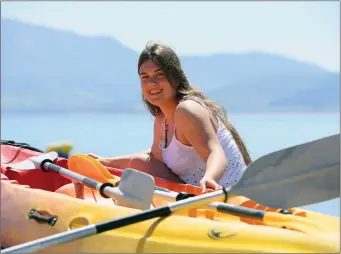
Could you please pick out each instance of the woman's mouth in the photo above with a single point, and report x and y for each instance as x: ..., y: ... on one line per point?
x: 155, y: 91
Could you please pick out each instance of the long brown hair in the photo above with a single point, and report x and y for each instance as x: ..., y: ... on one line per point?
x: 169, y: 62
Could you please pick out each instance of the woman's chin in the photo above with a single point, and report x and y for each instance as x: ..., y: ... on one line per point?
x: 156, y: 101
x: 159, y: 101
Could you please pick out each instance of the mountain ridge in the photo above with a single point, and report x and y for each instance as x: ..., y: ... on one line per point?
x: 93, y: 73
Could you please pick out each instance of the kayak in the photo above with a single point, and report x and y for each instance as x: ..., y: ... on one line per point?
x: 36, y: 204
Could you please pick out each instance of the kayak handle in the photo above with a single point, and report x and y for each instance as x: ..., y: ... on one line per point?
x: 37, y: 216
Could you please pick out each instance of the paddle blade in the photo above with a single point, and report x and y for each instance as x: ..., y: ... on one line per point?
x: 137, y: 188
x: 33, y: 162
x: 295, y: 176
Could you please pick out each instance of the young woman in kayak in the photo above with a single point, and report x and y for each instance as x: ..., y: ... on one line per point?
x: 193, y: 141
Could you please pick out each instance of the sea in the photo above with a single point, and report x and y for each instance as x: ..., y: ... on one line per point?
x: 118, y: 134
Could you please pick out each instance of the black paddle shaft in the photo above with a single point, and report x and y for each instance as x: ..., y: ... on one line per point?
x: 134, y: 218
x: 160, y: 211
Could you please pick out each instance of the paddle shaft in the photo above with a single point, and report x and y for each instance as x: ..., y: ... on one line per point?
x: 47, y: 242
x: 172, y: 195
x: 106, y: 189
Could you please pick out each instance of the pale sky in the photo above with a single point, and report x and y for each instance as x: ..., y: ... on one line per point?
x: 307, y: 31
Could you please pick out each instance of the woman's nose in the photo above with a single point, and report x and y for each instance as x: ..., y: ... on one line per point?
x: 151, y: 81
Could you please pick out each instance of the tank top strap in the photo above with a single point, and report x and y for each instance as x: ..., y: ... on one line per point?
x: 194, y: 98
x: 198, y: 100
x: 202, y: 103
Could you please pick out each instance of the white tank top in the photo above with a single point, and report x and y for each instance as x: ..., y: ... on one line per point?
x: 185, y: 162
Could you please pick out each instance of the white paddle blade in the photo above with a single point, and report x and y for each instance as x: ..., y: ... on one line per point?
x: 306, y: 173
x: 33, y: 162
x: 137, y: 189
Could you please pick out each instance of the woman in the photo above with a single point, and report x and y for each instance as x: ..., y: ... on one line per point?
x: 193, y: 141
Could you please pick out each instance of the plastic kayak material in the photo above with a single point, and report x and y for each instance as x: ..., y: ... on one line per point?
x: 36, y: 204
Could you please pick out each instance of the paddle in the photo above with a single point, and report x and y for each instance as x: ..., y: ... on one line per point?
x: 135, y: 189
x: 328, y: 146
x: 92, y: 168
x: 295, y: 176
x: 33, y: 162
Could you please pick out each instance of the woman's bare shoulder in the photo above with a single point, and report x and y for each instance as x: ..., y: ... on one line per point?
x: 190, y: 113
x: 192, y: 109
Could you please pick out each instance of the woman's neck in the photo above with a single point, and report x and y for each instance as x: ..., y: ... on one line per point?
x: 168, y: 111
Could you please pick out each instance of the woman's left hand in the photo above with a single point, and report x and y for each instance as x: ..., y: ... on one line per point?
x: 207, y: 182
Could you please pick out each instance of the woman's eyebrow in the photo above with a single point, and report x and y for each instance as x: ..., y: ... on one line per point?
x: 153, y: 71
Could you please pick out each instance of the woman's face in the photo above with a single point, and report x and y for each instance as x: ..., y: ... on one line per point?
x: 155, y: 86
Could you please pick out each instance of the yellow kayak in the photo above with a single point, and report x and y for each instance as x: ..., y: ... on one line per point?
x: 35, y: 205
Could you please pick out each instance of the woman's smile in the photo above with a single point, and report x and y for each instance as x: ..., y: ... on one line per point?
x: 154, y: 92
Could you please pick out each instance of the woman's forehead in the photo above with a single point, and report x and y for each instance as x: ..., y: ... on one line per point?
x: 149, y: 66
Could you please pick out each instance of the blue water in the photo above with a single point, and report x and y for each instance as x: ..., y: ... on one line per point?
x: 115, y: 134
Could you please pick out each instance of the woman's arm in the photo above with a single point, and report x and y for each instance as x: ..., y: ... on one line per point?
x: 196, y: 125
x: 121, y: 162
x: 125, y: 161
x: 149, y: 161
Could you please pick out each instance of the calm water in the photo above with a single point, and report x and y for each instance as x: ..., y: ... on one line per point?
x: 114, y: 134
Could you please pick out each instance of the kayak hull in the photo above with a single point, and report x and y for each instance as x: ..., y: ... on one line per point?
x: 170, y: 234
x: 190, y: 231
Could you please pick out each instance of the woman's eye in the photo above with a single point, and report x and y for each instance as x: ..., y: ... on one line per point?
x: 159, y: 74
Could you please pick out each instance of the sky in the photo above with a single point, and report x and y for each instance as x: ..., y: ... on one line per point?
x: 306, y: 31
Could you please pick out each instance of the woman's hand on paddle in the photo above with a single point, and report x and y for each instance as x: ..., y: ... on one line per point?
x: 207, y: 182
